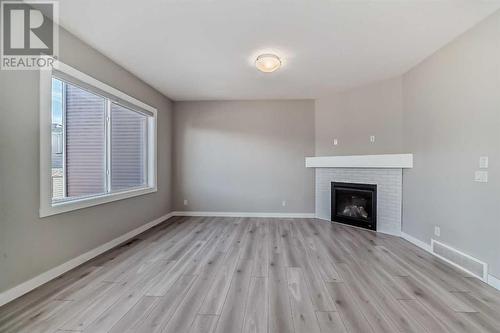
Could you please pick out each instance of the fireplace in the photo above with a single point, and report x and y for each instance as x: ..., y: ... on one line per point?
x: 354, y: 204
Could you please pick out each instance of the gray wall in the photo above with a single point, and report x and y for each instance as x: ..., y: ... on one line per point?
x: 28, y: 245
x: 353, y: 116
x: 446, y: 111
x: 244, y: 156
x: 248, y: 156
x: 451, y: 118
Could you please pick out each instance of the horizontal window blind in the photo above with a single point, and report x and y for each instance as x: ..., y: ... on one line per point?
x: 128, y: 148
x: 71, y: 80
x: 101, y: 144
x: 85, y: 142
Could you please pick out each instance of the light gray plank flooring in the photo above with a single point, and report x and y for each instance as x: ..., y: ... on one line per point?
x: 231, y: 275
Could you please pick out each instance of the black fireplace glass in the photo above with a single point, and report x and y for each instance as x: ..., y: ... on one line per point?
x: 354, y: 204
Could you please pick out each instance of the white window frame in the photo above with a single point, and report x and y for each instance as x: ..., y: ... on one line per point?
x: 47, y: 206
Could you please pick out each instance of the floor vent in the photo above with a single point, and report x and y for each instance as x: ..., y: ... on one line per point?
x: 459, y: 259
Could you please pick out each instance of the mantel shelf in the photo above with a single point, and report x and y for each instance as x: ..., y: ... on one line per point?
x: 385, y: 161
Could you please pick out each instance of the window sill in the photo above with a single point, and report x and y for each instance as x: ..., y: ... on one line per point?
x: 69, y: 206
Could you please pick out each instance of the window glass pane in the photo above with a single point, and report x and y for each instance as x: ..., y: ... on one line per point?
x: 85, y: 115
x: 57, y: 141
x: 83, y: 146
x: 128, y: 148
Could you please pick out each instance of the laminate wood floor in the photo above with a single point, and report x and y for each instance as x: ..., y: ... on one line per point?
x: 202, y: 275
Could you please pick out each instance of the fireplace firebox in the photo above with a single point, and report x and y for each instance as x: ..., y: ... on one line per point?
x: 354, y: 204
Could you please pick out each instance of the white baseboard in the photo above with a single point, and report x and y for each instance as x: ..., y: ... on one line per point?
x: 492, y: 281
x: 244, y: 214
x: 417, y: 242
x: 25, y: 287
x: 483, y: 277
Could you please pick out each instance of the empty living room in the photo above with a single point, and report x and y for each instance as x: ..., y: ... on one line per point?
x: 250, y: 166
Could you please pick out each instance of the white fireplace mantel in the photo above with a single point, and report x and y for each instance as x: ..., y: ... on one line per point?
x: 385, y: 161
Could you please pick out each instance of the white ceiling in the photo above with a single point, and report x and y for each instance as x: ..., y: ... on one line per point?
x: 204, y: 49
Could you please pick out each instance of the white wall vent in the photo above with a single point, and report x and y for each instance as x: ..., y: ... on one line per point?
x: 460, y: 260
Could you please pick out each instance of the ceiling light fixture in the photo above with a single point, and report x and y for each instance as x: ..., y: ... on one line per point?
x: 268, y: 63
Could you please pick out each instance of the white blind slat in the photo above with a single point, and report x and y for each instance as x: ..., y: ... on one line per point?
x: 128, y: 148
x: 85, y: 142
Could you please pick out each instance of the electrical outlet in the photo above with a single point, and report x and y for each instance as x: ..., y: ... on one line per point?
x: 372, y: 138
x: 283, y: 203
x: 437, y: 231
x: 335, y: 142
x: 185, y: 202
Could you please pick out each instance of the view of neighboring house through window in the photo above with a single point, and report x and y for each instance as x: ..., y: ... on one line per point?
x: 98, y: 145
x: 57, y: 141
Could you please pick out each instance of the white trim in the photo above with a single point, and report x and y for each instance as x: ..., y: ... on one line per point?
x: 47, y: 207
x: 491, y: 280
x: 244, y: 214
x: 494, y: 282
x: 58, y: 208
x: 51, y: 274
x: 108, y: 145
x: 485, y: 265
x: 387, y: 161
x: 417, y: 242
x: 73, y: 72
x: 45, y: 123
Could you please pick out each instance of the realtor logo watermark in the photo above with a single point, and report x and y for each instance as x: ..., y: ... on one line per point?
x: 29, y: 34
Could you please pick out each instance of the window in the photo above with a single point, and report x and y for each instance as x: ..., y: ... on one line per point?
x: 101, y: 145
x: 128, y: 148
x: 80, y: 116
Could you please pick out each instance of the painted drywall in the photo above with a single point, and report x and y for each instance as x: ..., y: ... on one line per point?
x: 353, y: 116
x: 244, y: 156
x: 29, y: 245
x: 452, y: 117
x: 446, y: 111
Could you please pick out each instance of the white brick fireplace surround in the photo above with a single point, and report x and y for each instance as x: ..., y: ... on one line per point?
x: 385, y: 171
